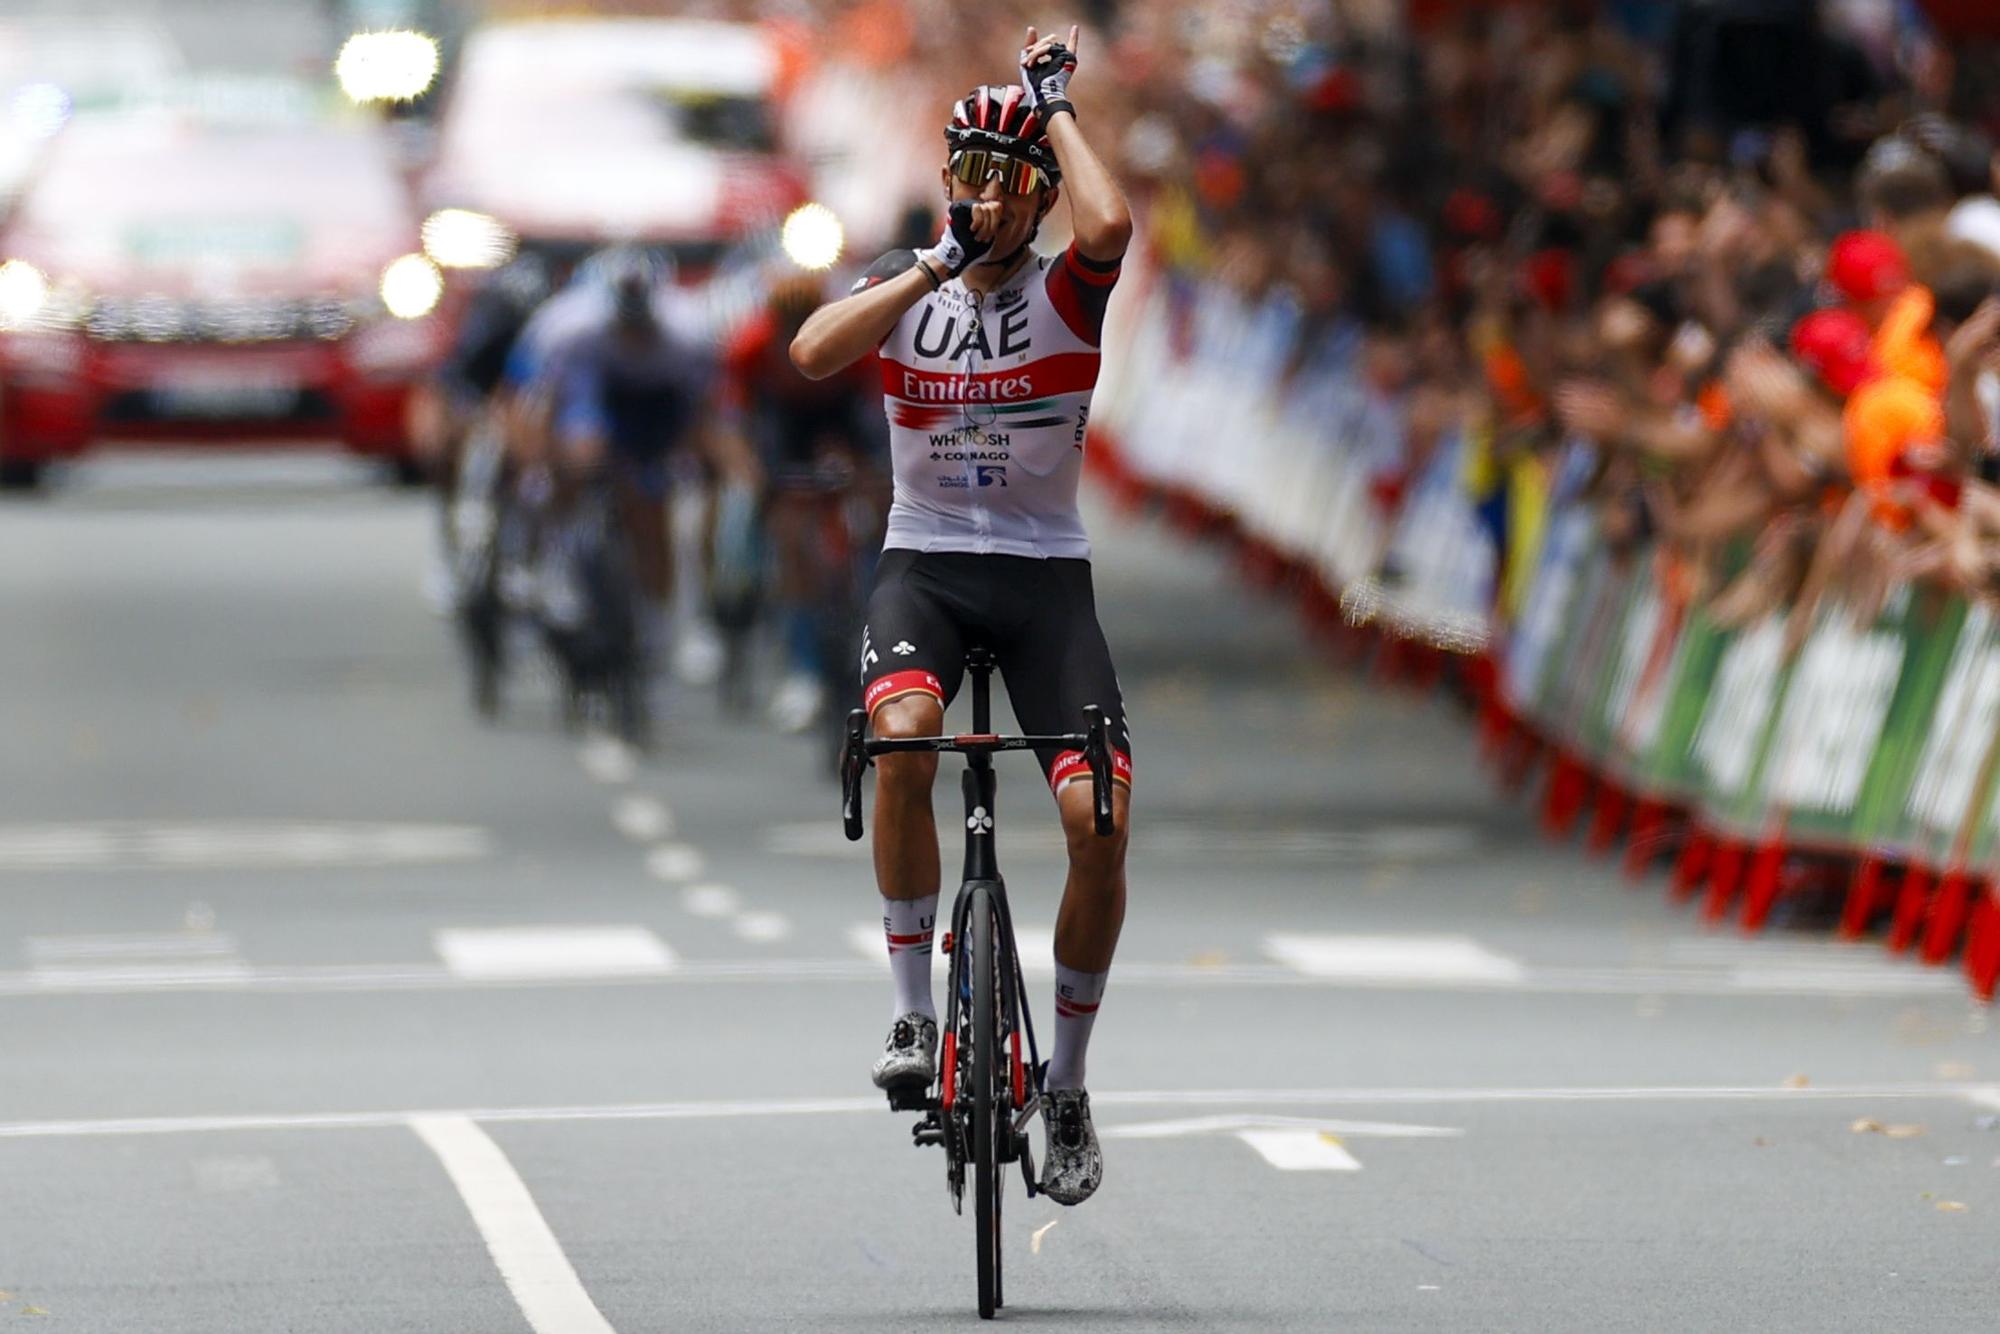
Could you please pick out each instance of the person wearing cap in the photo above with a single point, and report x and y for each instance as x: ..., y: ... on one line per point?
x: 1872, y: 276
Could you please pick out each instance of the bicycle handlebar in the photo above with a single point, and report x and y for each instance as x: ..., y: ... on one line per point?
x: 858, y: 751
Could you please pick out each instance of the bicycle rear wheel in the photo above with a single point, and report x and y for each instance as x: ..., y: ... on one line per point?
x: 989, y: 1115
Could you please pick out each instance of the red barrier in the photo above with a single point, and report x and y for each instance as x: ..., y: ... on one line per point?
x: 1982, y: 947
x: 1862, y: 894
x: 1911, y: 899
x: 1948, y: 909
x: 1725, y: 872
x: 1569, y: 788
x: 1607, y: 818
x: 1691, y: 867
x: 1763, y: 883
x: 1648, y: 832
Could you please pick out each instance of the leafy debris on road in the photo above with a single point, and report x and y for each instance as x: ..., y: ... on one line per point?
x: 1868, y: 1125
x: 1798, y: 1082
x: 1035, y: 1237
x: 1950, y: 1207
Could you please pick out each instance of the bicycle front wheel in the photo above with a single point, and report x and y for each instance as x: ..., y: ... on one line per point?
x: 989, y: 1115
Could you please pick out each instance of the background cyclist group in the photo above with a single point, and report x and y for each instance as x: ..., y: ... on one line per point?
x: 610, y: 388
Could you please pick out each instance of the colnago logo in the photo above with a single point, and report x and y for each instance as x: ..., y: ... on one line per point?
x: 925, y: 389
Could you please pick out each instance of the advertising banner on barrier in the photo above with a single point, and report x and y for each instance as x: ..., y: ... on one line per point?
x: 1951, y: 781
x: 1733, y: 734
x: 1830, y: 721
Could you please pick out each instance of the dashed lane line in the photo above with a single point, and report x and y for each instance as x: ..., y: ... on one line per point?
x: 763, y: 927
x: 1976, y: 1094
x: 674, y: 862
x: 641, y: 818
x: 524, y: 1249
x: 608, y: 760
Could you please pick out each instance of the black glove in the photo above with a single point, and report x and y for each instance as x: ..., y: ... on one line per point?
x: 958, y: 248
x: 1046, y: 79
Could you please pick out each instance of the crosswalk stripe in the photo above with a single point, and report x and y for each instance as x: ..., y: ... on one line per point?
x: 1401, y: 958
x: 520, y: 952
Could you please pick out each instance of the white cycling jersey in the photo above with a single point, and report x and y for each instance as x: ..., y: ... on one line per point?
x: 988, y: 398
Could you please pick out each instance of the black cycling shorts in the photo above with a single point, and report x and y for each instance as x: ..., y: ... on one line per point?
x: 1039, y: 619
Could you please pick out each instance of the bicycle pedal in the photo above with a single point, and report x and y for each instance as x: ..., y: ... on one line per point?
x: 911, y: 1095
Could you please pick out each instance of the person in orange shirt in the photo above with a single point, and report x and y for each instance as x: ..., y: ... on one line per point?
x: 1873, y: 278
x: 1893, y: 423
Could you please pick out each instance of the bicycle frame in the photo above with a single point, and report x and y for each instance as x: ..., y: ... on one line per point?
x: 946, y: 1122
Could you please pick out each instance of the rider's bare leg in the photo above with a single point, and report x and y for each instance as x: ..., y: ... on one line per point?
x: 1087, y: 924
x: 906, y: 848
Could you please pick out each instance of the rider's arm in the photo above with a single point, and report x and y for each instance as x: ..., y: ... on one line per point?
x: 841, y: 333
x: 1099, y: 217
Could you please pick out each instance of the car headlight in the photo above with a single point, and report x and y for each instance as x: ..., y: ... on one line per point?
x: 411, y: 287
x: 457, y: 238
x: 386, y: 66
x: 24, y: 292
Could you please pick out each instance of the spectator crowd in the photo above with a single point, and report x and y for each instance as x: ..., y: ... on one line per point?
x: 1727, y: 271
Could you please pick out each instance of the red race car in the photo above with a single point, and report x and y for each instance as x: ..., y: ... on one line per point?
x: 184, y: 275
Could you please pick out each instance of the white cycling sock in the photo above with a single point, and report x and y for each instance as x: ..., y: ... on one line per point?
x: 1077, y: 999
x: 909, y: 925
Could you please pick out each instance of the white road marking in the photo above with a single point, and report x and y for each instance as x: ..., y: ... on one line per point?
x: 1300, y: 1150
x: 865, y: 940
x: 231, y: 845
x: 1989, y: 1098
x: 178, y: 944
x: 1036, y: 946
x: 1403, y: 958
x: 1215, y: 1125
x: 163, y: 960
x: 1883, y: 980
x: 510, y: 952
x: 230, y: 973
x: 872, y: 1105
x: 710, y: 900
x: 762, y: 927
x: 641, y: 818
x: 607, y: 759
x: 529, y: 1257
x: 674, y: 862
x: 1039, y: 835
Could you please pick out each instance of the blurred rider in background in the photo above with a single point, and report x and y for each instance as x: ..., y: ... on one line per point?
x: 818, y: 442
x: 619, y: 388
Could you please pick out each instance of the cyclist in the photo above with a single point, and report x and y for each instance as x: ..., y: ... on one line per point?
x: 807, y: 434
x: 447, y: 407
x: 989, y: 354
x: 628, y: 388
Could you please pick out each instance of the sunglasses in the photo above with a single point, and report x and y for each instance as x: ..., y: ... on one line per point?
x: 1018, y: 176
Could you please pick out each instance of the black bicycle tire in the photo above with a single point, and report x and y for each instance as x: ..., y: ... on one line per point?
x: 981, y: 1071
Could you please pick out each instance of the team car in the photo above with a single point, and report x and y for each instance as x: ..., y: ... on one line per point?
x: 199, y: 274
